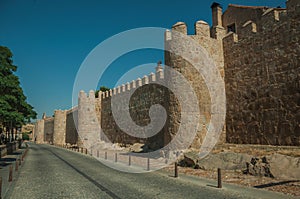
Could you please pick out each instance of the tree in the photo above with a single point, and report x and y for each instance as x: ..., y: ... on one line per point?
x: 14, y: 109
x: 103, y: 89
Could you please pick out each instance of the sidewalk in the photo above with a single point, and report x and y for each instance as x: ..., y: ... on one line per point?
x: 5, y: 163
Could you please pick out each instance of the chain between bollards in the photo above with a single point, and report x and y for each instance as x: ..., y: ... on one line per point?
x: 219, y: 178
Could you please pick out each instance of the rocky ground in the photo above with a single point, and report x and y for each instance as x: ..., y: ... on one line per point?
x: 264, y: 167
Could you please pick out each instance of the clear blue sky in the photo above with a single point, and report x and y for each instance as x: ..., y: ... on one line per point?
x: 51, y: 38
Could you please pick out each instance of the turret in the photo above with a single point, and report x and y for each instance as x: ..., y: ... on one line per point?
x: 217, y: 30
x: 216, y: 14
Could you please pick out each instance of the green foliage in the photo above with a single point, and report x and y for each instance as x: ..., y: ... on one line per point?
x: 14, y: 109
x: 103, y: 89
x: 25, y: 136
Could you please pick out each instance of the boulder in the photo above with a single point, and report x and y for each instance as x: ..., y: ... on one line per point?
x: 258, y: 167
x: 223, y: 160
x: 275, y: 165
x: 284, y: 166
x: 136, y: 147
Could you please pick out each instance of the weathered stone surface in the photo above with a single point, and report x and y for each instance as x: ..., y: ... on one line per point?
x: 71, y: 126
x: 275, y: 165
x: 49, y: 130
x: 224, y: 160
x: 284, y: 166
x: 262, y: 77
x: 259, y: 167
x: 137, y: 147
x: 142, y: 98
x: 59, y: 134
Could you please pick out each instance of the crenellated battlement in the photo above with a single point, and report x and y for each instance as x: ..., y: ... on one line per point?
x: 73, y: 109
x: 201, y: 28
x: 231, y: 37
x: 134, y: 84
x: 257, y: 26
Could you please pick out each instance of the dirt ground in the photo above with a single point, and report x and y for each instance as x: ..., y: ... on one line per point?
x: 286, y: 186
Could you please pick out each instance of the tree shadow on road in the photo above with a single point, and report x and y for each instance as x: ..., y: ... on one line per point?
x: 275, y: 184
x: 6, y: 161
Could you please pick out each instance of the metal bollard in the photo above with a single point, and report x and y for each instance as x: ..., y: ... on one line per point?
x: 77, y: 149
x: 97, y: 153
x: 219, y: 178
x: 105, y: 155
x: 148, y: 164
x: 10, y: 173
x: 86, y: 151
x: 129, y: 160
x: 116, y: 157
x: 0, y: 187
x: 176, y: 170
x: 19, y: 161
x: 81, y: 150
x: 17, y: 165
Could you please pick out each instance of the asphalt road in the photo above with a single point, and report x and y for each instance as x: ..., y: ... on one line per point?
x: 51, y: 172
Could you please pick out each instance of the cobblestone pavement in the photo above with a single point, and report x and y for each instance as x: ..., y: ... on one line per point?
x: 52, y: 172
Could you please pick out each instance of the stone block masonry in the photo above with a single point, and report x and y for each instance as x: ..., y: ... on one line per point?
x: 59, y: 136
x: 256, y: 50
x: 262, y: 75
x: 59, y: 129
x: 145, y: 93
x: 48, y: 129
x: 71, y: 126
x: 213, y: 46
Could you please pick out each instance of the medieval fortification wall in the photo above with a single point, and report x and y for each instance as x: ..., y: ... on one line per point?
x: 262, y: 76
x: 256, y: 50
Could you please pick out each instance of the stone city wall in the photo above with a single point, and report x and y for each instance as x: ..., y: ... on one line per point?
x: 259, y: 62
x: 144, y: 93
x: 60, y: 129
x: 71, y: 122
x: 48, y: 130
x: 262, y: 76
x: 39, y: 133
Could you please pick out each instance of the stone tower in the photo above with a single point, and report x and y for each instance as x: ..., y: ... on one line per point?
x: 59, y: 135
x: 89, y: 117
x: 213, y: 46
